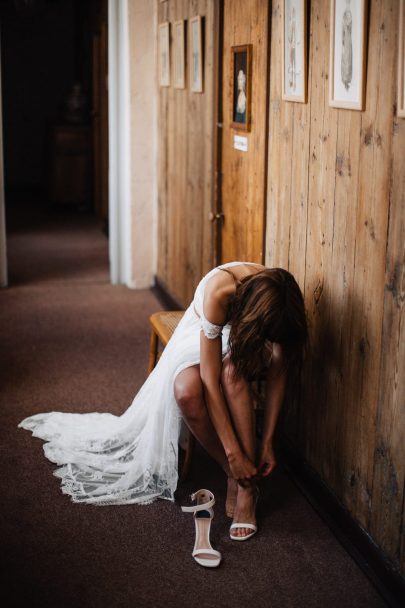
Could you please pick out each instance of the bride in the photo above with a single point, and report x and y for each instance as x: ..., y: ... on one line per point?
x: 246, y: 322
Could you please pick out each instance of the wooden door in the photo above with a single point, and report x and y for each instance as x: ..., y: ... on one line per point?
x: 242, y: 184
x: 186, y: 132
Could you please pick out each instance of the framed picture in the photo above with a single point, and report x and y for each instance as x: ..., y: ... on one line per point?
x: 401, y: 61
x: 196, y: 59
x: 164, y: 54
x: 241, y: 71
x: 179, y: 72
x: 294, y: 50
x: 347, y: 61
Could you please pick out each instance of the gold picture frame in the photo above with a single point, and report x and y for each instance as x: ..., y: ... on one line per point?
x: 294, y: 51
x: 179, y: 80
x: 164, y: 54
x: 241, y: 73
x: 401, y: 61
x: 347, y: 61
x: 196, y: 55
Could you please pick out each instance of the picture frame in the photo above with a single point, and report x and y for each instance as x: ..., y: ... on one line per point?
x: 196, y: 55
x: 401, y: 61
x: 164, y: 54
x: 179, y: 55
x: 294, y: 50
x: 347, y: 61
x: 241, y: 74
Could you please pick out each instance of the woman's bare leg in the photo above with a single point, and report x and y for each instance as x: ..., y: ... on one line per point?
x: 188, y: 392
x: 240, y: 405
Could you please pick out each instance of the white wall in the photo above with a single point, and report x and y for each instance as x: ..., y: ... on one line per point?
x: 119, y: 143
x: 143, y: 110
x: 132, y: 141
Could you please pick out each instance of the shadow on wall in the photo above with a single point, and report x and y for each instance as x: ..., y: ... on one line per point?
x: 336, y: 366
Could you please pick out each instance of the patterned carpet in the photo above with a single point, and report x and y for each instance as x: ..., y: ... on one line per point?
x: 70, y: 341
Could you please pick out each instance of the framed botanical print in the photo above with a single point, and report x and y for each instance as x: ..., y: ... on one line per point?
x: 179, y: 68
x: 347, y: 72
x: 241, y: 73
x: 294, y: 50
x: 196, y: 55
x: 401, y: 61
x: 164, y: 54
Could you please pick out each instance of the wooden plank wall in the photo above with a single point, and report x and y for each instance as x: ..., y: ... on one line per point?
x: 244, y: 173
x: 335, y: 218
x: 187, y: 125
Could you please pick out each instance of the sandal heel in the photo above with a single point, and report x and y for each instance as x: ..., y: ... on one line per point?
x: 203, y: 552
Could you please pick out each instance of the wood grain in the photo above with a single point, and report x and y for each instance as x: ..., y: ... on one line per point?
x: 243, y: 173
x: 186, y: 165
x: 335, y: 218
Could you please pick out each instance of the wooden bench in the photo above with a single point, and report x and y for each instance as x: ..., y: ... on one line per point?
x: 163, y: 325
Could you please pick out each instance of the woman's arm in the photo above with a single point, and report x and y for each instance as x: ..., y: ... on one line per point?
x: 210, y: 371
x: 241, y: 467
x: 275, y: 391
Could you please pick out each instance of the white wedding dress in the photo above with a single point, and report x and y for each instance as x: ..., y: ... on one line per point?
x: 132, y: 458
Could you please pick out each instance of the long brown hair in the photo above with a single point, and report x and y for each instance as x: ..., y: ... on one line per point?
x: 267, y: 307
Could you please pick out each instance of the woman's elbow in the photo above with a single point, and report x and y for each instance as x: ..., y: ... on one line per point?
x: 210, y: 383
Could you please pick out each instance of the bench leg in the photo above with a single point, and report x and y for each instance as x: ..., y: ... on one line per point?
x: 152, y: 351
x: 188, y: 456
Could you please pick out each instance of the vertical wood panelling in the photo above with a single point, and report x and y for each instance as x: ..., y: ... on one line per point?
x: 388, y: 489
x: 243, y: 173
x: 186, y: 160
x: 335, y: 218
x: 287, y: 189
x: 371, y: 242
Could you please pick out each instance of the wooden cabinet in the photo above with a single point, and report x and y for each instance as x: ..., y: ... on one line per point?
x: 71, y: 164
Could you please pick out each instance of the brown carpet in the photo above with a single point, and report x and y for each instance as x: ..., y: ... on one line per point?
x: 72, y: 342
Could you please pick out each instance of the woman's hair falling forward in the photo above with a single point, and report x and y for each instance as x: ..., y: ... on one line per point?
x: 267, y: 307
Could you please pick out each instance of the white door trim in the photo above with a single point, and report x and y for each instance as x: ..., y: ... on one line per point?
x: 119, y: 133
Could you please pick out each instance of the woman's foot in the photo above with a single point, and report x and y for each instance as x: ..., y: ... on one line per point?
x: 245, y: 510
x: 231, y: 496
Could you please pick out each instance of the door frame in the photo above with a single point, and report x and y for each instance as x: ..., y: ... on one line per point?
x: 119, y: 144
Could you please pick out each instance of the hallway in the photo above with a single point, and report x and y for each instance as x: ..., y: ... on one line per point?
x: 73, y: 342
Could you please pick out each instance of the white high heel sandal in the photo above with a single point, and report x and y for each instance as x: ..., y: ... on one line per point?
x: 248, y: 526
x: 203, y: 552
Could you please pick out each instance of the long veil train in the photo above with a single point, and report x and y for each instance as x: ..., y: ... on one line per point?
x: 106, y: 459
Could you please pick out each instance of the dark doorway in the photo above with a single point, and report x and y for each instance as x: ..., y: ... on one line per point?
x: 55, y: 115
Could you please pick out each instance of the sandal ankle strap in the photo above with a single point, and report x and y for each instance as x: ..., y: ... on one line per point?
x: 205, y: 506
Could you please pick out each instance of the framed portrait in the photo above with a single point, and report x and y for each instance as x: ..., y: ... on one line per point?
x: 294, y: 49
x: 347, y: 61
x: 401, y: 61
x: 179, y: 71
x: 196, y: 55
x: 241, y: 72
x: 164, y: 54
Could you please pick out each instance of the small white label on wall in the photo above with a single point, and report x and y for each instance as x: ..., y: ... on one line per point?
x: 240, y: 143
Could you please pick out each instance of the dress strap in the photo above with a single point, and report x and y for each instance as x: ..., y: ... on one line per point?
x: 237, y: 281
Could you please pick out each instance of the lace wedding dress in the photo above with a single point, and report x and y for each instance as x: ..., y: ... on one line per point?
x: 105, y: 459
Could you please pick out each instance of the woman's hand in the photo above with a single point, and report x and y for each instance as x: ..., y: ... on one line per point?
x: 242, y: 469
x: 267, y: 461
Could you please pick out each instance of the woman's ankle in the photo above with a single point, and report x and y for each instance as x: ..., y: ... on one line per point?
x: 247, y: 490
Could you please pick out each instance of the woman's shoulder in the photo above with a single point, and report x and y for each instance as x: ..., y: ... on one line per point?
x: 221, y: 286
x: 217, y: 291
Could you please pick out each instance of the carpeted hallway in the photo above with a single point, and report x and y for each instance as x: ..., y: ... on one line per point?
x: 70, y: 341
